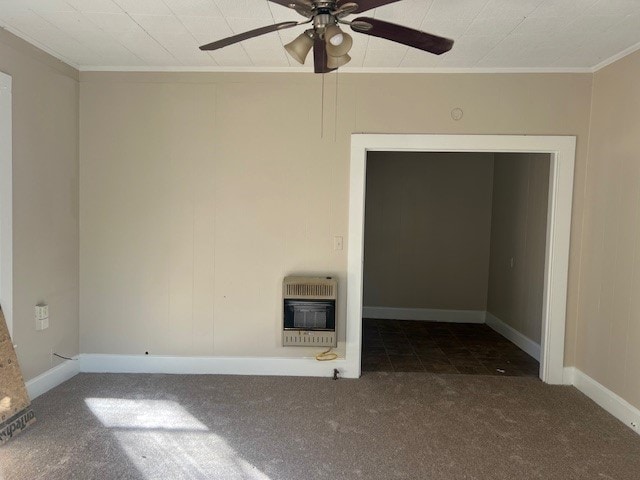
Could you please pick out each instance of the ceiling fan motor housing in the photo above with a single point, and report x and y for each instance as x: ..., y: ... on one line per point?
x: 321, y: 21
x: 328, y: 6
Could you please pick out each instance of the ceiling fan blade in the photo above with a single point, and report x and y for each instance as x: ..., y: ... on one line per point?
x: 364, y: 5
x: 303, y: 7
x: 405, y: 35
x: 320, y: 57
x: 346, y: 9
x: 306, y: 4
x: 247, y: 35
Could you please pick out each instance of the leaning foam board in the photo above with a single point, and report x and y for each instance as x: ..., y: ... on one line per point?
x: 15, y: 405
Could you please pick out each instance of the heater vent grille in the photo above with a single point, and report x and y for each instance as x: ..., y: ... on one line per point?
x: 310, y: 290
x: 320, y: 288
x: 302, y: 339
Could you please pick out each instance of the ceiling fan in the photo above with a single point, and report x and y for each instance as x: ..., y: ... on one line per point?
x: 330, y: 45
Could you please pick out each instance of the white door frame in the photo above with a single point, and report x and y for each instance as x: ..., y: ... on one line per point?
x: 562, y: 151
x: 6, y: 202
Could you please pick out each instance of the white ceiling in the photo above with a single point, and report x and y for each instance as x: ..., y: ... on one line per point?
x: 489, y: 34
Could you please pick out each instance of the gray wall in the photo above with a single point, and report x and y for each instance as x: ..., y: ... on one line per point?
x: 427, y: 230
x: 518, y: 232
x: 45, y: 202
x: 441, y: 230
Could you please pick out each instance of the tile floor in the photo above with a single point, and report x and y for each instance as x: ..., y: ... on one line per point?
x: 411, y: 346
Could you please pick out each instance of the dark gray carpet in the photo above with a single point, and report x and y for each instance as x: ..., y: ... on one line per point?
x: 384, y: 426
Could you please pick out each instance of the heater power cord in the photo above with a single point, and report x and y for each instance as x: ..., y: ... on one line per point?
x: 63, y: 357
x: 326, y: 356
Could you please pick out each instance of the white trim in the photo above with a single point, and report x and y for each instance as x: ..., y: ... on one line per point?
x: 296, y: 69
x: 52, y: 378
x: 514, y: 336
x: 608, y: 400
x: 6, y: 201
x: 616, y: 57
x: 303, y: 367
x: 556, y: 270
x: 562, y: 150
x: 425, y: 314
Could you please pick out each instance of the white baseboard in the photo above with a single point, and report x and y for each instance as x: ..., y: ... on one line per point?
x: 308, y: 367
x: 511, y: 334
x: 303, y: 367
x: 609, y: 401
x: 97, y: 363
x: 424, y: 314
x: 52, y: 378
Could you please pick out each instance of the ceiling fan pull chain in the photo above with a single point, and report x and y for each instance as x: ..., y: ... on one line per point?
x: 335, y: 115
x: 322, y: 109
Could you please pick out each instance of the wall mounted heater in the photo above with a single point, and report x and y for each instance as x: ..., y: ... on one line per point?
x: 309, y: 311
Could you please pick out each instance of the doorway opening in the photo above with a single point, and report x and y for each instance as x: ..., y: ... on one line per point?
x: 6, y: 208
x: 454, y: 253
x: 561, y: 153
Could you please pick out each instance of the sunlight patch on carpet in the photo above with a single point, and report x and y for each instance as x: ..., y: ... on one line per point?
x: 163, y: 440
x: 143, y: 414
x: 180, y: 455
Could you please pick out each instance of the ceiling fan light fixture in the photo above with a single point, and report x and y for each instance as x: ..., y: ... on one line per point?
x: 333, y: 35
x: 337, y: 62
x: 341, y: 49
x: 336, y: 39
x: 300, y: 47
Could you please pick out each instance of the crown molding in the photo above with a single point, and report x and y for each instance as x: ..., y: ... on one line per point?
x: 616, y: 57
x: 353, y: 70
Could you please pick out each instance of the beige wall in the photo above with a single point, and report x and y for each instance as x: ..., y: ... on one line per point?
x: 518, y: 232
x: 199, y: 192
x: 608, y: 333
x: 197, y: 198
x: 427, y: 230
x: 45, y: 202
